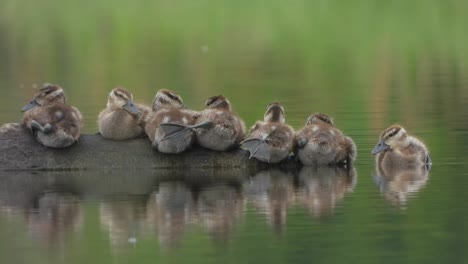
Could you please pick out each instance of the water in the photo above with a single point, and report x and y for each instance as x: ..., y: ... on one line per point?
x: 367, y: 65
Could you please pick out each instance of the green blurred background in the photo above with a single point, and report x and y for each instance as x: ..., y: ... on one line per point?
x: 378, y: 57
x: 367, y: 63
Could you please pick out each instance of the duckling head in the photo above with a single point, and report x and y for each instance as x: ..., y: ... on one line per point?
x: 317, y: 118
x: 218, y: 102
x: 121, y: 98
x: 274, y: 113
x: 49, y: 94
x: 392, y: 137
x: 167, y: 99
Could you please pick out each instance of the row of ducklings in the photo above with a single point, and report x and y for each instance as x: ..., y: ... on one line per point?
x: 172, y: 128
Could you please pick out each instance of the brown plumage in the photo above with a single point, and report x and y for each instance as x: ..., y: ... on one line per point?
x: 170, y: 125
x: 228, y: 129
x: 270, y: 140
x: 397, y: 148
x: 52, y: 122
x: 321, y: 143
x: 122, y: 119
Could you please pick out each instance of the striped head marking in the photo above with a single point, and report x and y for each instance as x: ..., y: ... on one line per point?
x: 218, y: 102
x: 317, y: 118
x: 274, y: 113
x: 167, y: 99
x: 49, y: 94
x: 121, y: 98
x: 390, y: 138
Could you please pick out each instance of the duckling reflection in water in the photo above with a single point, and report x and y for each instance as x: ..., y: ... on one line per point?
x: 169, y: 210
x: 227, y: 130
x: 122, y: 119
x: 271, y: 140
x: 321, y: 143
x: 272, y: 192
x: 397, y: 184
x: 321, y: 188
x: 397, y: 148
x: 170, y: 126
x: 123, y: 220
x: 54, y: 216
x: 219, y: 209
x: 52, y: 122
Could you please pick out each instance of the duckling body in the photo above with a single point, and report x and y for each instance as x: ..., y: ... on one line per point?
x: 321, y: 143
x: 170, y: 125
x: 122, y: 119
x: 227, y: 129
x: 397, y: 148
x: 52, y: 122
x: 270, y: 140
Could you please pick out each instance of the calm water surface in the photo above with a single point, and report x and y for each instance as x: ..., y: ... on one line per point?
x: 322, y: 215
x: 367, y: 65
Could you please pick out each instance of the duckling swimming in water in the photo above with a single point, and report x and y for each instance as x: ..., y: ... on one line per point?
x: 122, y: 119
x: 52, y: 122
x: 170, y: 125
x: 271, y: 140
x: 397, y: 148
x: 228, y: 129
x: 321, y: 143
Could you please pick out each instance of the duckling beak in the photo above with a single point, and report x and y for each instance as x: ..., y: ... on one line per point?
x: 131, y: 107
x: 30, y: 105
x: 381, y: 146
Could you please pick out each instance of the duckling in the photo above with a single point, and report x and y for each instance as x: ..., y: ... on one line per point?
x: 321, y: 143
x: 271, y: 140
x: 52, y: 122
x: 170, y: 125
x: 397, y: 148
x: 227, y: 130
x: 122, y: 119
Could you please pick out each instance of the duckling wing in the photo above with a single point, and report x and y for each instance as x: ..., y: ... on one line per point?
x: 258, y: 148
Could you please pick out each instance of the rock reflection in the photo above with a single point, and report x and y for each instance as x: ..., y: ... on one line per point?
x: 165, y: 204
x: 272, y: 193
x: 321, y: 188
x: 123, y: 218
x: 397, y: 185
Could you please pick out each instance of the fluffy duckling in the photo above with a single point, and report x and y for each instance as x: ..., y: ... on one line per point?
x: 271, y: 140
x: 122, y: 119
x: 52, y: 122
x: 170, y: 126
x: 321, y: 143
x: 228, y: 129
x: 397, y: 148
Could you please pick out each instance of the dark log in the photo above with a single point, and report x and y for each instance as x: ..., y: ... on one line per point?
x: 19, y: 151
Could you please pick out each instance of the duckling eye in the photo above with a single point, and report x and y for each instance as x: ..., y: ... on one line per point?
x: 209, y: 102
x: 393, y: 133
x: 172, y: 96
x: 48, y: 92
